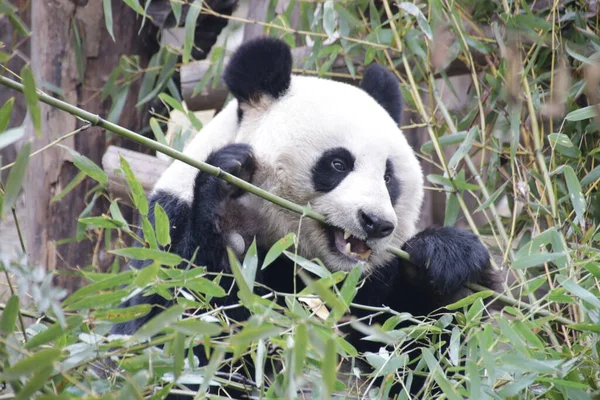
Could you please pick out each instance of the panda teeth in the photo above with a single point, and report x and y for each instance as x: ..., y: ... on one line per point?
x: 347, y: 248
x: 346, y: 235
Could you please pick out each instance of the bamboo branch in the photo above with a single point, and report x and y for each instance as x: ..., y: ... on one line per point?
x: 217, y: 172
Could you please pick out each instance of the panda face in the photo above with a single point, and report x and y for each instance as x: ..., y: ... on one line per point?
x: 333, y: 147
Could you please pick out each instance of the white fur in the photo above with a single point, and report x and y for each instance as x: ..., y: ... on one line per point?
x: 288, y: 135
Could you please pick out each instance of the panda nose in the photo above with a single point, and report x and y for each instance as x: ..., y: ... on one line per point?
x: 375, y: 227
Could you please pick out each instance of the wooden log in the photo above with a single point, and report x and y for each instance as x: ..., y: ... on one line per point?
x: 146, y: 168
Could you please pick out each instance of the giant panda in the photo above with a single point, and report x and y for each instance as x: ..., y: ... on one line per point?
x: 335, y: 147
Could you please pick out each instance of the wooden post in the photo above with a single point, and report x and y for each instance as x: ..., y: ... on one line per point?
x: 53, y: 60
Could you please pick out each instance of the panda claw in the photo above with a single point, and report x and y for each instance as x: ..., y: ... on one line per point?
x: 236, y: 159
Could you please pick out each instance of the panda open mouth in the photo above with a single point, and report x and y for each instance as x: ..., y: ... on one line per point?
x: 349, y: 245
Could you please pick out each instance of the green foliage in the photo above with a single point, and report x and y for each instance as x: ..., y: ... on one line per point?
x: 527, y: 138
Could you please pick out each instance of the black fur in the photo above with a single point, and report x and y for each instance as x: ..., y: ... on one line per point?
x: 383, y: 86
x: 325, y: 177
x: 392, y: 183
x: 259, y: 67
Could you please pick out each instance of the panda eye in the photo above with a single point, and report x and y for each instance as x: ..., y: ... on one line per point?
x: 338, y: 165
x: 387, y: 178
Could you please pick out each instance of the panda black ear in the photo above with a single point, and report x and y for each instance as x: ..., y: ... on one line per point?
x: 259, y: 67
x: 383, y: 86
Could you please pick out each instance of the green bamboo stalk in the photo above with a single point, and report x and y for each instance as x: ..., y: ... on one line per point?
x: 96, y: 120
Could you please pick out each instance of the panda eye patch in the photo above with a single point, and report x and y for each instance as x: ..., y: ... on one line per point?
x: 391, y: 182
x: 331, y: 168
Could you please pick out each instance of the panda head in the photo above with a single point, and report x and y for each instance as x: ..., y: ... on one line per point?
x: 333, y: 146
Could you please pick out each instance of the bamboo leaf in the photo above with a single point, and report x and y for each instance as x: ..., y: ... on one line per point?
x: 102, y: 222
x: 15, y: 177
x: 33, y: 363
x: 348, y: 290
x: 582, y: 113
x: 300, y: 347
x: 249, y: 265
x: 138, y: 196
x: 146, y: 275
x: 329, y: 18
x: 31, y: 99
x: 80, y: 177
x: 158, y: 133
x: 533, y: 260
x: 575, y: 194
x: 18, y: 24
x: 118, y: 102
x: 148, y: 231
x: 35, y: 383
x: 78, y: 50
x: 560, y: 139
x: 159, y: 323
x: 470, y: 300
x: 11, y: 136
x: 580, y: 292
x: 9, y: 316
x: 444, y: 141
x: 438, y: 375
x: 452, y: 208
x: 88, y: 166
x: 329, y: 366
x: 590, y: 178
x: 494, y: 196
x: 5, y: 113
x: 195, y: 327
x: 162, y: 226
x: 176, y: 7
x: 167, y: 70
x: 174, y: 104
x: 108, y: 18
x: 317, y: 287
x: 123, y: 314
x: 53, y: 332
x: 463, y: 149
x: 278, y: 248
x: 190, y: 29
x: 135, y: 5
x: 140, y: 253
x: 245, y: 294
x: 98, y: 301
x: 111, y: 281
x: 115, y: 212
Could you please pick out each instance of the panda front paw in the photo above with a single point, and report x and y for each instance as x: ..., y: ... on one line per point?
x: 236, y: 159
x: 452, y: 257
